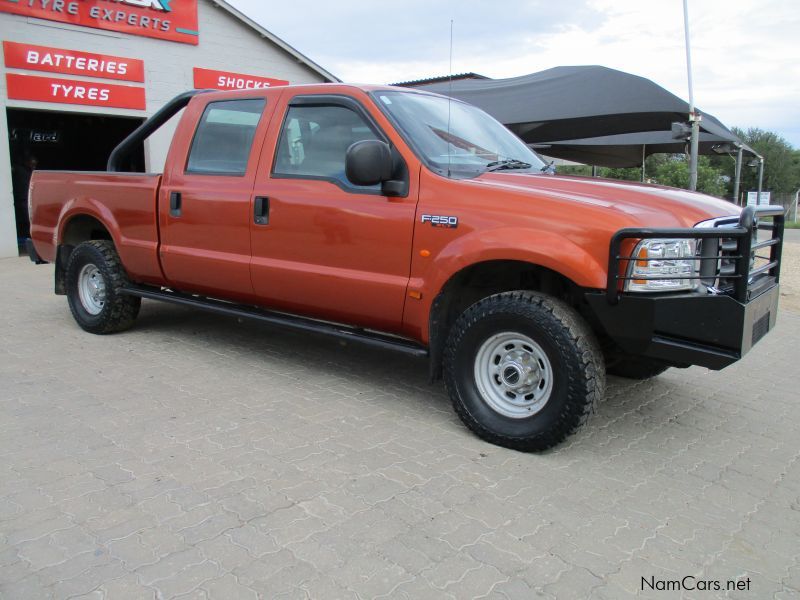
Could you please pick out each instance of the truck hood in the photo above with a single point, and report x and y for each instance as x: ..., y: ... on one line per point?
x: 643, y: 204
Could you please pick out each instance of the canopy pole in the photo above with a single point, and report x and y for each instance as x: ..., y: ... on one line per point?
x: 737, y: 178
x: 760, y: 178
x: 644, y: 157
x: 694, y: 118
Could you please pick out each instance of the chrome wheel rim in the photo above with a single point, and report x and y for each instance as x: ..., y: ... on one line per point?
x: 513, y: 375
x: 92, y: 289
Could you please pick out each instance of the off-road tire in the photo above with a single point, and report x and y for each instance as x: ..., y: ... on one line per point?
x: 119, y: 310
x: 635, y: 367
x: 577, y: 367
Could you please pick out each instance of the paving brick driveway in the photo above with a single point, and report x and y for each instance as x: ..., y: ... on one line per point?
x: 200, y: 457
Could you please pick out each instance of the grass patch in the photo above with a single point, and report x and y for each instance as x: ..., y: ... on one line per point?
x: 791, y: 224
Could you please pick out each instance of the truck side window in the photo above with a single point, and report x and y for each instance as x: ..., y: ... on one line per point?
x: 315, y: 139
x: 224, y: 137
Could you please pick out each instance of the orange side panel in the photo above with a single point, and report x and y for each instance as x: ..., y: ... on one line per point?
x: 124, y: 203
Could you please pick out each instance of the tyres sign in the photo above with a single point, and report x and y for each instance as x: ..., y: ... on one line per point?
x: 174, y: 20
x: 71, y: 91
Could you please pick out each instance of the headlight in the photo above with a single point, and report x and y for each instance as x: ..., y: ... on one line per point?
x: 663, y: 257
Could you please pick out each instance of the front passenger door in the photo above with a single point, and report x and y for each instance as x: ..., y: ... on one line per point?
x: 330, y: 249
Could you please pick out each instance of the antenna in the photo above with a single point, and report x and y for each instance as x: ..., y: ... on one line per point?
x: 694, y: 118
x: 449, y: 100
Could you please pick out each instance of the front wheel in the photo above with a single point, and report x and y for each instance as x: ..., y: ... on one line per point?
x: 523, y: 370
x: 95, y: 278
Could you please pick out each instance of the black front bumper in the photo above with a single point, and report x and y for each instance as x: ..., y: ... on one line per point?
x: 713, y: 326
x: 709, y: 330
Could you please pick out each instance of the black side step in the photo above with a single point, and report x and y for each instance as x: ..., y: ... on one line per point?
x: 345, y: 332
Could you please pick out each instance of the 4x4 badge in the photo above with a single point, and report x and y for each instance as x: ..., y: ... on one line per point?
x: 441, y: 221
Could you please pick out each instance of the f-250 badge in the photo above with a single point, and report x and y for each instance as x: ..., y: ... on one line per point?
x: 441, y: 221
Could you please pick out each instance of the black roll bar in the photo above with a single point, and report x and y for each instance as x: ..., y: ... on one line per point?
x: 146, y: 129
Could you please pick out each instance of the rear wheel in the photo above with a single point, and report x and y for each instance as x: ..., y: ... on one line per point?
x: 95, y: 278
x: 523, y: 370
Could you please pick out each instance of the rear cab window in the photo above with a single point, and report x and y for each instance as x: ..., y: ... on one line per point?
x: 224, y: 137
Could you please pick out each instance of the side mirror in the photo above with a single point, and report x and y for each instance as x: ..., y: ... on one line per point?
x: 368, y: 162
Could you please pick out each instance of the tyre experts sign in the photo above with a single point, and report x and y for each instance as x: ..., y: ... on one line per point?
x: 174, y: 20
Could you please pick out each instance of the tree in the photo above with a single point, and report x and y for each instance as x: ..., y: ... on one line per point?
x: 675, y: 173
x: 623, y: 173
x: 664, y: 169
x: 576, y: 170
x: 781, y: 162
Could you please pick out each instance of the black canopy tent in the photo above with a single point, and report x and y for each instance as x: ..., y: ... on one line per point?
x: 591, y: 114
x: 565, y: 103
x: 632, y: 149
x: 626, y: 149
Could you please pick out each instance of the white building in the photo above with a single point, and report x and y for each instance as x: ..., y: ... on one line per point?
x: 78, y: 75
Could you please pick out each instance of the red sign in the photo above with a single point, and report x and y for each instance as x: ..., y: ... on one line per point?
x: 174, y: 20
x: 70, y: 91
x: 208, y: 79
x: 72, y: 62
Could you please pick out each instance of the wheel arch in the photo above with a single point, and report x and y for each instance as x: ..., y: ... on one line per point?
x: 75, y: 229
x: 486, y: 278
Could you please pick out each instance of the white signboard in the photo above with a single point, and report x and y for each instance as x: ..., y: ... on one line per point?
x: 754, y: 200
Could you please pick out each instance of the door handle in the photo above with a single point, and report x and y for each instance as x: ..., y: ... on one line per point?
x: 175, y: 204
x: 261, y: 210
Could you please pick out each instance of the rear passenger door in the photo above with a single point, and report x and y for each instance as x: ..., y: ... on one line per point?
x: 204, y: 203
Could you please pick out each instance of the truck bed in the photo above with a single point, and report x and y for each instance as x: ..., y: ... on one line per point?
x: 127, y: 203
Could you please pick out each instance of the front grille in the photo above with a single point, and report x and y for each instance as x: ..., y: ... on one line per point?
x: 720, y: 273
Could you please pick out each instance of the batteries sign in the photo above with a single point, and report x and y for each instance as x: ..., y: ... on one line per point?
x: 72, y: 62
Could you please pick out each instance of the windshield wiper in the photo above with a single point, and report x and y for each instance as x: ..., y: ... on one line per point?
x: 549, y: 168
x: 511, y: 163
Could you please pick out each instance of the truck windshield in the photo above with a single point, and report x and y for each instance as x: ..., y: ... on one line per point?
x: 456, y: 139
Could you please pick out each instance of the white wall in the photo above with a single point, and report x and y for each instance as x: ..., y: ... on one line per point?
x: 8, y: 224
x: 226, y: 44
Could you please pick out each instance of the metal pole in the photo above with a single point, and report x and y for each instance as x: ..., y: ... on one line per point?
x: 644, y: 157
x: 760, y: 179
x: 796, y: 194
x: 594, y: 170
x: 694, y: 118
x: 737, y: 178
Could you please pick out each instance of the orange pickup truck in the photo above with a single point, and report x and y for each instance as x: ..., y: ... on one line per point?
x: 411, y: 221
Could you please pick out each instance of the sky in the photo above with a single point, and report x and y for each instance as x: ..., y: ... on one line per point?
x: 745, y: 54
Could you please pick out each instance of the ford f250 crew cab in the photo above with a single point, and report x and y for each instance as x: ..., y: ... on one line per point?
x: 411, y: 221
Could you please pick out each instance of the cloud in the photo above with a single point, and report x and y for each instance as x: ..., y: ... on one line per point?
x: 417, y: 32
x: 746, y: 57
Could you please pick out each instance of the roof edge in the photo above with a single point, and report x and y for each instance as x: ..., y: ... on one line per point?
x: 440, y: 79
x: 276, y: 40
